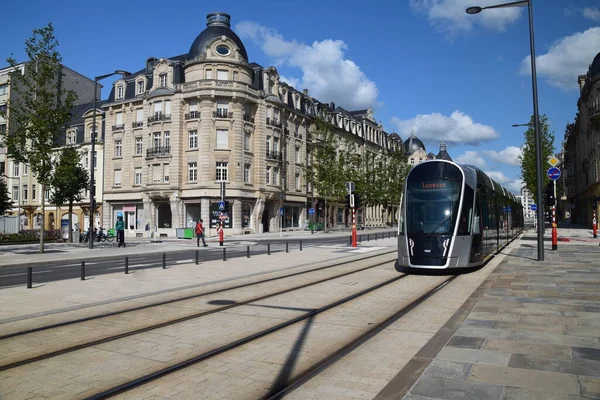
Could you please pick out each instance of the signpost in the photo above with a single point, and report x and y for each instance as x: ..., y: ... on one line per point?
x: 221, y: 215
x: 350, y: 190
x: 554, y: 174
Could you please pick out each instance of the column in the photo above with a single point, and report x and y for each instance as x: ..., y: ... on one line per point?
x: 205, y: 215
x: 237, y: 216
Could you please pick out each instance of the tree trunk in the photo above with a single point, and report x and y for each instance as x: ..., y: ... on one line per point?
x: 43, y: 198
x: 70, y: 221
x: 326, y: 216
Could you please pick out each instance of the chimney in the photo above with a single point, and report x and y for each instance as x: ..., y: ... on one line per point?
x: 305, y: 91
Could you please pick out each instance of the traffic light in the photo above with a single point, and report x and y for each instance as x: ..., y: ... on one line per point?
x: 357, y: 200
x: 549, y: 199
x: 348, y: 201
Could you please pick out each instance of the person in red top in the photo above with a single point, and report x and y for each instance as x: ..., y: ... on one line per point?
x: 200, y: 233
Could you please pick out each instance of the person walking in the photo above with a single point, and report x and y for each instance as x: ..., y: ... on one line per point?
x: 200, y: 234
x: 120, y: 228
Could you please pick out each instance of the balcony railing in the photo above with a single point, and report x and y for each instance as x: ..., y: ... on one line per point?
x: 274, y: 155
x: 212, y: 83
x: 158, y: 151
x: 273, y: 122
x: 159, y: 117
x: 192, y: 115
x: 137, y: 124
x: 594, y: 112
x: 248, y: 118
x: 222, y: 113
x: 116, y: 128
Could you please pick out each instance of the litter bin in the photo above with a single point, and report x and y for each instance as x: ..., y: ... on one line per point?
x: 180, y: 233
x: 188, y: 233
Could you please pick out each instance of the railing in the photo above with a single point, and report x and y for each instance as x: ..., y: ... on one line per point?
x: 222, y: 113
x: 137, y: 124
x: 116, y: 128
x: 158, y: 151
x: 248, y: 118
x: 210, y: 83
x: 594, y: 112
x: 159, y: 117
x: 273, y: 122
x: 274, y: 155
x: 192, y: 115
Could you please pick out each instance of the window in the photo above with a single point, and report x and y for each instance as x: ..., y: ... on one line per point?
x: 223, y: 50
x: 86, y: 160
x: 268, y: 144
x: 209, y: 74
x: 157, y: 140
x: 275, y: 144
x: 117, y: 177
x: 247, y: 169
x: 140, y: 87
x: 276, y: 114
x: 268, y: 177
x: 33, y: 191
x: 275, y: 175
x: 222, y: 108
x: 118, y: 148
x: 25, y: 192
x: 166, y: 173
x: 167, y: 139
x: 247, y: 139
x: 16, y: 169
x: 137, y: 173
x: 95, y: 159
x: 298, y: 182
x: 156, y: 173
x: 222, y: 75
x: 4, y: 89
x: 297, y: 154
x: 192, y: 172
x: 221, y: 172
x: 47, y: 193
x: 193, y: 140
x: 120, y: 91
x: 157, y: 109
x: 71, y: 137
x: 222, y: 139
x: 2, y: 128
x: 163, y: 80
x: 139, y: 115
x: 93, y: 133
x: 168, y: 108
x: 118, y: 119
x: 15, y: 193
x: 25, y: 169
x: 138, y: 146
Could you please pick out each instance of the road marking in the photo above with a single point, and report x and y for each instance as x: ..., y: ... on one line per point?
x: 35, y: 272
x: 366, y: 249
x: 184, y: 261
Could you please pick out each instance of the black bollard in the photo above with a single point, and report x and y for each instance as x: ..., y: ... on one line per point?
x: 368, y: 238
x: 83, y: 270
x: 29, y: 277
x: 224, y: 253
x: 300, y: 244
x: 247, y: 251
x: 126, y: 265
x: 268, y: 249
x: 287, y: 248
x: 359, y: 238
x: 164, y: 261
x: 197, y: 257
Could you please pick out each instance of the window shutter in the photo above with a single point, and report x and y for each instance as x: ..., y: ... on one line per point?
x: 222, y: 139
x: 193, y: 105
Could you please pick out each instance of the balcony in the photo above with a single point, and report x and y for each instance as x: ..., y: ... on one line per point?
x: 118, y: 128
x: 192, y: 115
x: 273, y: 122
x: 159, y: 117
x: 222, y: 113
x: 594, y: 113
x: 137, y: 124
x: 158, y: 151
x: 248, y: 118
x: 274, y: 155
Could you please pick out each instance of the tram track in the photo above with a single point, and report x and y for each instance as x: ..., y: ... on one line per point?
x: 66, y: 348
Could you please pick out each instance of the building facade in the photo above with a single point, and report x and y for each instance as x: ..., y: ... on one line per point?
x: 581, y: 150
x: 526, y: 199
x: 182, y: 125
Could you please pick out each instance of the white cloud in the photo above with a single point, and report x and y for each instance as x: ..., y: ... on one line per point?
x: 325, y: 71
x: 472, y: 158
x: 566, y: 58
x: 512, y: 184
x: 457, y: 128
x: 509, y: 155
x: 450, y: 16
x: 592, y: 13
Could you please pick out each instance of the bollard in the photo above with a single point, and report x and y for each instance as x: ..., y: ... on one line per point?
x: 224, y: 253
x: 375, y: 235
x: 247, y: 251
x: 368, y: 238
x: 268, y: 249
x: 389, y: 235
x: 126, y: 265
x: 287, y: 249
x: 83, y: 270
x: 300, y: 244
x: 197, y: 257
x: 359, y: 238
x: 164, y: 261
x: 29, y: 277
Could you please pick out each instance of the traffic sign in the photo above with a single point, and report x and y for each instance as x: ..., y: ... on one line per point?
x: 553, y: 161
x: 311, y: 211
x: 533, y: 207
x: 281, y: 211
x: 553, y: 173
x: 221, y: 205
x: 509, y: 209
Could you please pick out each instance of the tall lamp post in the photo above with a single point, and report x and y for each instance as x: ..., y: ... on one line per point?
x: 538, y: 140
x: 92, y: 166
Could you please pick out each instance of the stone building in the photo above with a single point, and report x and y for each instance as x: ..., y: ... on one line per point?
x: 182, y: 125
x: 581, y: 150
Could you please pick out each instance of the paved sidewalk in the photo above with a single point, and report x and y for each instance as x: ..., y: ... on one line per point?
x: 531, y: 331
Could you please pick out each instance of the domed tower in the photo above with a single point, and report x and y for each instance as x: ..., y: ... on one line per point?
x: 413, y: 144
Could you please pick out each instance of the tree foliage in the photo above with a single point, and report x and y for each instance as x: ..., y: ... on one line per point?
x: 38, y: 109
x: 5, y: 201
x: 527, y: 157
x: 69, y: 181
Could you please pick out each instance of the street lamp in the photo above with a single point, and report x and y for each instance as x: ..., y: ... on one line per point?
x: 92, y: 166
x: 538, y: 140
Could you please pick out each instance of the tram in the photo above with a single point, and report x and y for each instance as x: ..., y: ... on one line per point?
x: 453, y: 216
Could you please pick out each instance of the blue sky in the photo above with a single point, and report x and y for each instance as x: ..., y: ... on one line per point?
x: 423, y: 65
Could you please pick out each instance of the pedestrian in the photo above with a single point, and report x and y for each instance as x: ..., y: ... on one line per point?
x: 200, y: 234
x: 120, y: 228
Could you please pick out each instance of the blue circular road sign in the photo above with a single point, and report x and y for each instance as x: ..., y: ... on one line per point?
x: 553, y: 173
x: 533, y: 207
x: 311, y: 211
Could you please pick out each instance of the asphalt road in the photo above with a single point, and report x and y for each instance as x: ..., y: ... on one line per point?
x: 66, y: 269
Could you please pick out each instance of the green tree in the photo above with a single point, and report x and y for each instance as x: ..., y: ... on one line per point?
x: 39, y: 108
x: 69, y: 181
x: 527, y: 157
x: 392, y: 177
x: 5, y: 201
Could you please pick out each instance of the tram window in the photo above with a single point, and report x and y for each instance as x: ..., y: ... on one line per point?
x: 464, y: 223
x: 476, y: 218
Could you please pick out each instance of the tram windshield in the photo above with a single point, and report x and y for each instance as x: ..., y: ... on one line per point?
x: 433, y: 197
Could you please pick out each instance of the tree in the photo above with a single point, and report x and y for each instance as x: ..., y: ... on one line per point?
x: 39, y: 109
x: 527, y: 157
x: 5, y: 201
x: 393, y: 175
x: 69, y: 181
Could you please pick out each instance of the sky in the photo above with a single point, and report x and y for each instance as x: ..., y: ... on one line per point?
x: 424, y: 66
